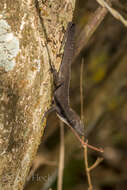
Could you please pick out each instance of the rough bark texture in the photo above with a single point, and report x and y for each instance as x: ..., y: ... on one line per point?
x: 25, y: 80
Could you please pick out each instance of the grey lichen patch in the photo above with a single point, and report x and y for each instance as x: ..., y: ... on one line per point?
x: 9, y: 46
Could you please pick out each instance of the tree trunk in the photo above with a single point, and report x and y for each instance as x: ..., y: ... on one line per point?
x: 31, y: 32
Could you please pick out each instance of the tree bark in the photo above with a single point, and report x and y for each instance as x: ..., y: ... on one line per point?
x: 31, y: 32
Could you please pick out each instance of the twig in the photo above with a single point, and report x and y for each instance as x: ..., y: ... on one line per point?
x: 83, y: 143
x: 61, y: 158
x: 115, y: 13
x: 97, y: 162
x: 81, y: 89
x: 89, y: 29
x: 82, y: 114
x: 82, y: 117
x: 87, y: 169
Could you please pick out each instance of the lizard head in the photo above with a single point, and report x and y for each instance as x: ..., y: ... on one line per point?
x: 79, y: 127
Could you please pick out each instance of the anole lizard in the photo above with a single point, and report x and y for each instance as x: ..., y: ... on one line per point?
x: 62, y: 84
x: 61, y: 81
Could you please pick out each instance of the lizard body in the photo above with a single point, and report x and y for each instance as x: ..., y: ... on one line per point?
x: 62, y: 85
